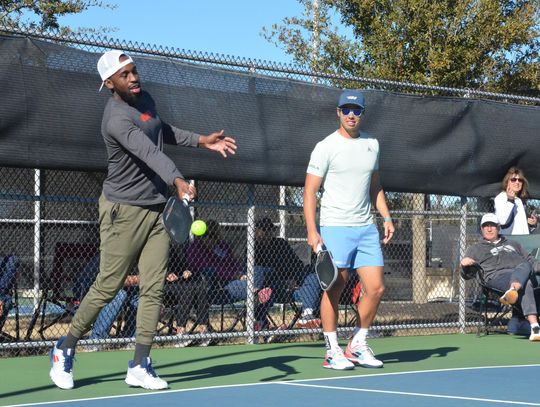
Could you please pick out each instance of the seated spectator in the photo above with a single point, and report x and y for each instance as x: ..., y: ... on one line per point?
x: 285, y: 273
x: 8, y: 273
x: 186, y: 289
x: 515, y: 219
x: 506, y: 267
x: 126, y: 299
x: 212, y: 256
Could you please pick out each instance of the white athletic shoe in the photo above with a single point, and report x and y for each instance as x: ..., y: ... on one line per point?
x: 61, y: 372
x: 144, y: 376
x: 362, y: 356
x: 334, y: 359
x: 535, y: 334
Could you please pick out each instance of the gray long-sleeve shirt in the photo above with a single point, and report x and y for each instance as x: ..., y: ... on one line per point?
x: 139, y: 173
x: 502, y: 255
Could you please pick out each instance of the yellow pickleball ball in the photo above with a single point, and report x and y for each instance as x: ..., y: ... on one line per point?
x: 198, y: 228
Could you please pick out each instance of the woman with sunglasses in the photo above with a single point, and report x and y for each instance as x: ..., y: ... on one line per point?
x: 510, y: 205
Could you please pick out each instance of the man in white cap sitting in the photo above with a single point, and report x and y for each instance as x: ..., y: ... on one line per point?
x: 506, y: 267
x: 130, y: 207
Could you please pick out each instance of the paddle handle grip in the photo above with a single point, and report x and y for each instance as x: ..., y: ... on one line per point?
x: 185, y: 198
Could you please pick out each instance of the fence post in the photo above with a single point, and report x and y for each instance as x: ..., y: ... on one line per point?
x: 282, y: 213
x: 37, y: 235
x: 250, y: 266
x: 462, y: 248
x: 419, y: 274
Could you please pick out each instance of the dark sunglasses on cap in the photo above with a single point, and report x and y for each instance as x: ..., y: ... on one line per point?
x: 357, y: 112
x: 516, y: 179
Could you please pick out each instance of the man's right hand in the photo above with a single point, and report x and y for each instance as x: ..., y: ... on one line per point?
x: 184, y: 188
x: 314, y: 240
x: 467, y: 261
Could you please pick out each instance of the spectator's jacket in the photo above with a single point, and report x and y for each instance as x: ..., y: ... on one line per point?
x: 501, y: 255
x: 219, y: 258
x: 287, y: 268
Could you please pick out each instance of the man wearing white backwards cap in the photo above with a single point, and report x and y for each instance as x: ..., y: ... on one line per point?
x: 130, y: 207
x: 507, y: 267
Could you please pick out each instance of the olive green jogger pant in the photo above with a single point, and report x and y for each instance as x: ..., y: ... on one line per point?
x: 130, y: 235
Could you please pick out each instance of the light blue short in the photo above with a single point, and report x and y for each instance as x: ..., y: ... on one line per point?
x: 353, y: 246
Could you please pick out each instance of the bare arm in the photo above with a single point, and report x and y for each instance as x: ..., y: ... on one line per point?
x: 311, y: 187
x: 380, y: 203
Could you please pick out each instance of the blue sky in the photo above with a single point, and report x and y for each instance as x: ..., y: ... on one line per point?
x: 229, y: 27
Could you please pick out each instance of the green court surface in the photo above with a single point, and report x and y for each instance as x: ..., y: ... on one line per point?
x: 26, y: 380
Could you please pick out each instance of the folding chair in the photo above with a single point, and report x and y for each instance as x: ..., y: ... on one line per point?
x: 232, y: 314
x: 57, y: 286
x: 494, y: 314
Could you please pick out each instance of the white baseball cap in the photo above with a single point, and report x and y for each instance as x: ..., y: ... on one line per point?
x: 109, y: 63
x: 489, y: 218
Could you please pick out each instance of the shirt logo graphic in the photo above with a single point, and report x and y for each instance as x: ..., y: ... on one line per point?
x: 146, y: 116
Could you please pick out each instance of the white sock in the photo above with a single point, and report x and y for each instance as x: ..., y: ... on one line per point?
x: 360, y: 336
x: 330, y: 339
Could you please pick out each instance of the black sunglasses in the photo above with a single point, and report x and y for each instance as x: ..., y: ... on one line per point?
x: 346, y: 110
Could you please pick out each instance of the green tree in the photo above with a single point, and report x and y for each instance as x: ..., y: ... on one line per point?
x: 481, y: 44
x: 44, y: 14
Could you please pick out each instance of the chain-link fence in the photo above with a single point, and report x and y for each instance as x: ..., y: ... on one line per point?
x: 250, y: 276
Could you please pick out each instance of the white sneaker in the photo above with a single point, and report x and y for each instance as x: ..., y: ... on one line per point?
x: 362, y: 356
x: 92, y: 348
x: 182, y: 343
x: 335, y: 359
x: 61, y: 372
x: 535, y: 334
x: 308, y: 321
x: 144, y: 376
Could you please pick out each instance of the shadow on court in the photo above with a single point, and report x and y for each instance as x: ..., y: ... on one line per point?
x: 261, y: 358
x: 280, y: 363
x: 415, y: 355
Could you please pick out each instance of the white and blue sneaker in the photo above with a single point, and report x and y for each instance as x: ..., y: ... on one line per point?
x: 334, y: 359
x: 362, y: 355
x: 61, y: 372
x: 144, y: 376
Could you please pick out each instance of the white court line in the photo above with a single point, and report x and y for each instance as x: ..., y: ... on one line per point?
x: 300, y: 381
x: 152, y: 393
x: 376, y: 374
x: 404, y: 393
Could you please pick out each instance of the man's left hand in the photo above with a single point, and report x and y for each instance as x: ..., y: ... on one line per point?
x: 219, y: 142
x: 388, y: 231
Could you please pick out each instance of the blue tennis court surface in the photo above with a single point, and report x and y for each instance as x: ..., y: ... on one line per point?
x: 484, y: 386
